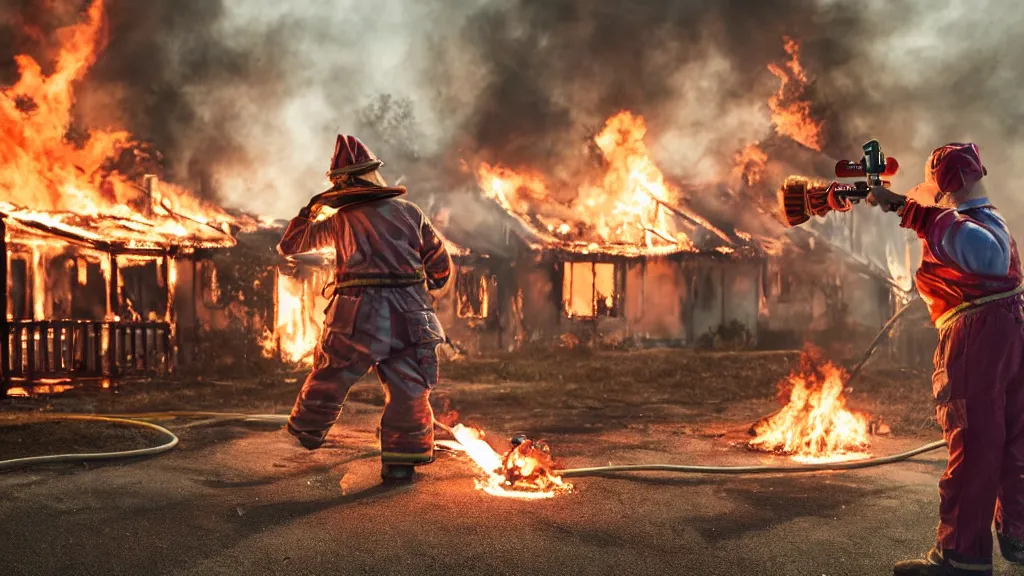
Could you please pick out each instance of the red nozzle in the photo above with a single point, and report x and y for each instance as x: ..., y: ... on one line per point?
x: 851, y: 169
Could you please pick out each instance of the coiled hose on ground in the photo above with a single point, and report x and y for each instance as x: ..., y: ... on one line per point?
x: 207, y: 418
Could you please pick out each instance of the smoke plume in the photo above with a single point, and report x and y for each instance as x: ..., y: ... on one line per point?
x: 244, y: 98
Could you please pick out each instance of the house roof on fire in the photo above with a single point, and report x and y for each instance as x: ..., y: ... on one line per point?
x: 483, y: 226
x: 134, y: 234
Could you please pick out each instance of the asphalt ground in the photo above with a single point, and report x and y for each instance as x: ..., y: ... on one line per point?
x: 244, y: 499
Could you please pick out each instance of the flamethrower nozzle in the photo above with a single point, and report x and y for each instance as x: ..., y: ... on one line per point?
x: 801, y: 198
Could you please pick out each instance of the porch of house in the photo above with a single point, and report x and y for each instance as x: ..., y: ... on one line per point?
x: 78, y: 308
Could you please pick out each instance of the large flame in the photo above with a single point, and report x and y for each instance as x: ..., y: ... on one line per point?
x: 49, y: 178
x: 790, y: 106
x: 628, y: 204
x: 814, y: 425
x: 525, y: 472
x: 296, y: 329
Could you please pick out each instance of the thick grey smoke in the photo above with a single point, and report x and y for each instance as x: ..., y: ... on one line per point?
x: 245, y: 97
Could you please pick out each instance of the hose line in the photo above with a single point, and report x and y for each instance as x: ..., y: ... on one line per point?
x: 76, y: 458
x: 143, y: 420
x: 810, y: 467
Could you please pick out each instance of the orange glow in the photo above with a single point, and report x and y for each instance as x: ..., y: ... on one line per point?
x: 791, y: 109
x: 749, y: 164
x: 525, y: 472
x: 814, y: 425
x: 588, y: 288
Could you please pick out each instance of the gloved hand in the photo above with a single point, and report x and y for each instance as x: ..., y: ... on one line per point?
x: 307, y: 210
x: 886, y: 199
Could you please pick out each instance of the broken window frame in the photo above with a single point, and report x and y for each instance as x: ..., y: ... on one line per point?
x: 618, y: 279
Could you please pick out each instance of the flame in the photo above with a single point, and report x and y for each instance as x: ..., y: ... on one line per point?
x: 46, y: 180
x: 814, y: 425
x: 628, y: 204
x: 749, y: 164
x: 296, y: 332
x: 525, y: 472
x: 791, y: 110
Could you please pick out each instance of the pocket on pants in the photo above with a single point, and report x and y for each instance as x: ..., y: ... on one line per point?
x: 952, y: 415
x: 342, y: 315
x: 424, y: 328
x: 426, y: 361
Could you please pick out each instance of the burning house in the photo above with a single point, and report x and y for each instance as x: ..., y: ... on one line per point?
x: 99, y: 296
x: 627, y: 256
x: 104, y: 266
x: 624, y: 259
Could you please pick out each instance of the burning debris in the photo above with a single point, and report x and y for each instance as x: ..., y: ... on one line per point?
x: 526, y: 471
x: 814, y: 425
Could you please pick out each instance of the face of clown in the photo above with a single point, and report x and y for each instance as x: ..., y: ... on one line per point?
x: 946, y: 159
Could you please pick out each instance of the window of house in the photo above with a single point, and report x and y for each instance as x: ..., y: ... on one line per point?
x: 473, y: 291
x: 19, y: 304
x: 590, y: 289
x: 777, y: 283
x: 209, y: 285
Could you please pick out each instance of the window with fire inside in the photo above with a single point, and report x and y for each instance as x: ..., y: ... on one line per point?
x: 592, y: 289
x: 475, y: 292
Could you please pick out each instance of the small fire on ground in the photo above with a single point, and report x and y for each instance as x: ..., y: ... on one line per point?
x: 814, y: 425
x: 527, y: 471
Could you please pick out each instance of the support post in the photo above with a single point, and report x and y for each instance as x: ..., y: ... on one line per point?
x: 150, y: 184
x: 114, y: 289
x: 171, y: 316
x: 114, y: 313
x: 197, y: 299
x: 5, y: 342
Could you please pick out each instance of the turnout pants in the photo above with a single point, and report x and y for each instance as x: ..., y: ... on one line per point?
x: 979, y: 390
x: 392, y: 331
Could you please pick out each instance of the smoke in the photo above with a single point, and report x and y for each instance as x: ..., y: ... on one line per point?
x: 245, y: 98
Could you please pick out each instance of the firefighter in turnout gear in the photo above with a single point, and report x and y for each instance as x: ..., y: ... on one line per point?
x: 380, y: 315
x: 970, y: 278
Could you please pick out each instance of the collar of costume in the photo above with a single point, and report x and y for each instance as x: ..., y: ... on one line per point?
x: 339, y: 198
x: 973, y: 203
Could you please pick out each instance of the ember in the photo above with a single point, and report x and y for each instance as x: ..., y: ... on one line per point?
x: 814, y: 425
x: 526, y: 471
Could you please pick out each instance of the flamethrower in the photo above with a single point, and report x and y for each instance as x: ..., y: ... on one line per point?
x: 802, y: 198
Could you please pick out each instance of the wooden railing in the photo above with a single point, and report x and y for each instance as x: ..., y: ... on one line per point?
x: 70, y: 349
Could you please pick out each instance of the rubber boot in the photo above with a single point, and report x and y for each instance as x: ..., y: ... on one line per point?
x: 1011, y: 548
x: 308, y: 440
x: 934, y: 564
x: 397, y: 473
